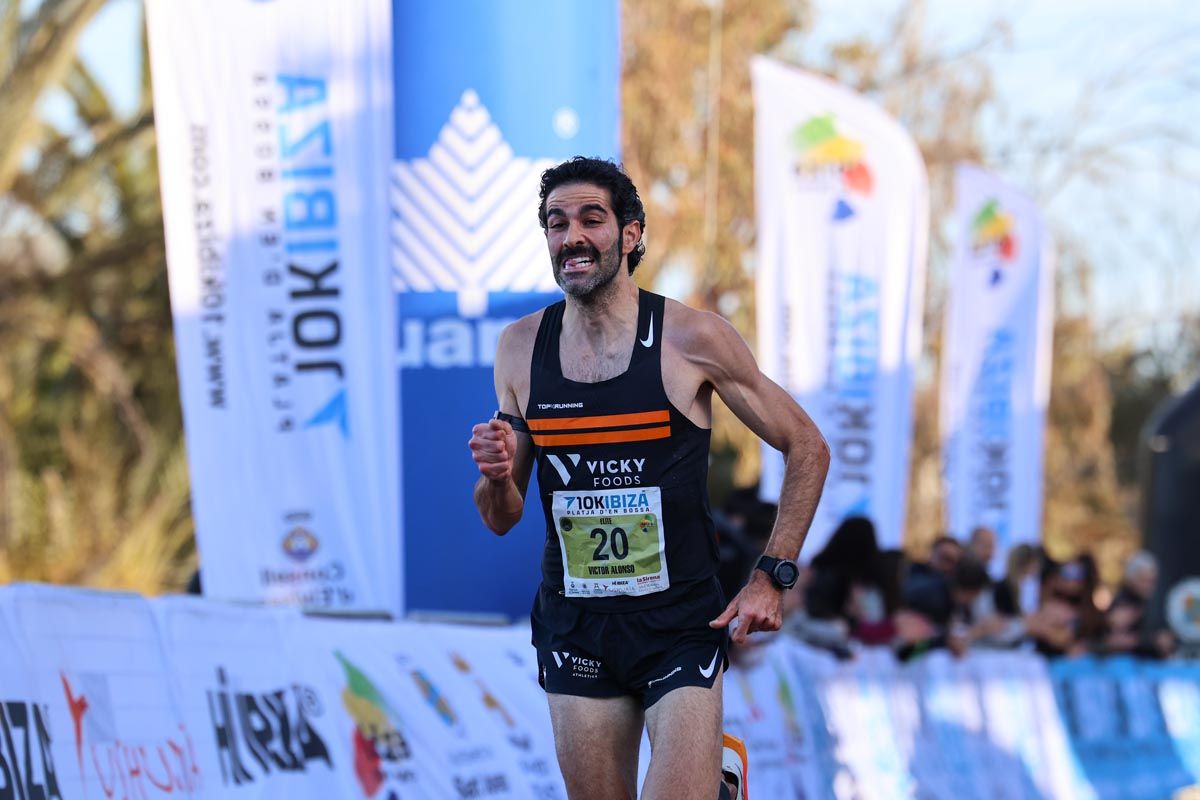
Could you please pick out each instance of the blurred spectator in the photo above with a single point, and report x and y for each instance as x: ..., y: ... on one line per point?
x: 982, y: 545
x: 743, y: 526
x: 944, y: 554
x: 1021, y: 568
x: 1092, y: 625
x: 895, y: 566
x: 850, y: 582
x: 1055, y: 626
x: 1127, y: 614
x: 938, y: 609
x: 999, y: 613
x: 1031, y: 587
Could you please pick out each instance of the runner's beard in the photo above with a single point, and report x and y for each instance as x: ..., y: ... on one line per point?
x: 594, y: 284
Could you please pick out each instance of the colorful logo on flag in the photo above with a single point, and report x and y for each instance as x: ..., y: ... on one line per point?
x: 300, y: 544
x: 993, y: 230
x: 376, y: 736
x: 821, y: 149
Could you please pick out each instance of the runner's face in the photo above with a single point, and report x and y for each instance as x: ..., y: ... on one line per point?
x: 584, y: 237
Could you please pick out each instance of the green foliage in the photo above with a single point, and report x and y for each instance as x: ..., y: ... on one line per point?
x: 93, y: 480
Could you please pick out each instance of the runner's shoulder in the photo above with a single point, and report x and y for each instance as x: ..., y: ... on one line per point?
x: 514, y: 348
x: 697, y: 335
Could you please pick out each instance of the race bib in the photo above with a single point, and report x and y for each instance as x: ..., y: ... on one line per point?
x: 612, y: 542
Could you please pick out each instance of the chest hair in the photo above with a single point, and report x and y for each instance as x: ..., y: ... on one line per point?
x: 584, y: 365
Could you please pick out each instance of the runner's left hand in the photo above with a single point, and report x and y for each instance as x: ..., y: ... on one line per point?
x: 757, y: 607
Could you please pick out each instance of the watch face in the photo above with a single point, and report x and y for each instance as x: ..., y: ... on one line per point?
x: 786, y: 572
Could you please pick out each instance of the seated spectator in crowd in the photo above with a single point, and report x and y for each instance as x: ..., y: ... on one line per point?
x: 938, y: 609
x: 851, y: 584
x: 1127, y: 615
x: 982, y: 545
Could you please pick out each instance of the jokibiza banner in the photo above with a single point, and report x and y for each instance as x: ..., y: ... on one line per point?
x: 274, y: 142
x: 485, y: 101
x: 996, y: 361
x: 843, y: 218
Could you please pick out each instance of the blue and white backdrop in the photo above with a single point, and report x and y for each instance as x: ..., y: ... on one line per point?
x: 351, y: 220
x: 488, y: 95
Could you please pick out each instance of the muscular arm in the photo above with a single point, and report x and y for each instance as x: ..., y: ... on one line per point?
x: 726, y: 362
x: 504, y: 457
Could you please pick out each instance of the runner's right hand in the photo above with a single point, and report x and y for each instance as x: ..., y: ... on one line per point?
x: 494, y: 446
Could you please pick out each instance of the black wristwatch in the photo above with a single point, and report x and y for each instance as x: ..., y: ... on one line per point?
x: 783, y: 572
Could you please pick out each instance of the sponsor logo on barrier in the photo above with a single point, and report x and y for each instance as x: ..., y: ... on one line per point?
x: 381, y: 752
x: 825, y: 155
x: 147, y: 768
x: 993, y: 239
x: 26, y: 757
x: 273, y: 727
x: 435, y: 699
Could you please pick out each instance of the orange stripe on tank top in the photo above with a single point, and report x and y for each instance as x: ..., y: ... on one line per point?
x: 602, y: 437
x: 602, y: 421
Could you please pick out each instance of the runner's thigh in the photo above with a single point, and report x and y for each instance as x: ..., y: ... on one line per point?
x: 685, y: 741
x: 597, y: 740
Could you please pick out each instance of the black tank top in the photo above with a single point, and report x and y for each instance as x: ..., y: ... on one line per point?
x: 623, y: 477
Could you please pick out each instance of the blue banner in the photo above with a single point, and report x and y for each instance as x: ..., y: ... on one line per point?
x: 1125, y: 725
x: 489, y: 94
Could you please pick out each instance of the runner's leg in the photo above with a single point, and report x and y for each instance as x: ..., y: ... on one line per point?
x: 597, y: 740
x: 685, y: 741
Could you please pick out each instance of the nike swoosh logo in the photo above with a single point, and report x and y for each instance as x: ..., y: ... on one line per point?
x: 707, y: 673
x: 663, y: 678
x: 649, y: 340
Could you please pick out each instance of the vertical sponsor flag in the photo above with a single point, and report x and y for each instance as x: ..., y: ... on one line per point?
x: 996, y: 361
x: 843, y: 214
x: 485, y: 102
x: 274, y: 137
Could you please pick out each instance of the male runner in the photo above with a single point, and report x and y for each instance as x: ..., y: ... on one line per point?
x: 610, y: 392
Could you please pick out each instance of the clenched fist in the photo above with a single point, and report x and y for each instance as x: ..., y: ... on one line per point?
x: 494, y: 446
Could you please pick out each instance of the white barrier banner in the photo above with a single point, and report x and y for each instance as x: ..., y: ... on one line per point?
x: 96, y: 661
x: 419, y: 728
x: 754, y: 713
x: 264, y: 727
x: 843, y: 216
x: 274, y: 143
x: 861, y: 699
x: 508, y: 699
x: 27, y: 748
x: 110, y: 696
x: 996, y: 361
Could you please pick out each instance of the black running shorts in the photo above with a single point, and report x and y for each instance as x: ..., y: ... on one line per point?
x: 643, y: 654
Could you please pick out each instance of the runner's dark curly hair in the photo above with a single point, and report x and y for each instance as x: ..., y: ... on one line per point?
x: 627, y: 205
